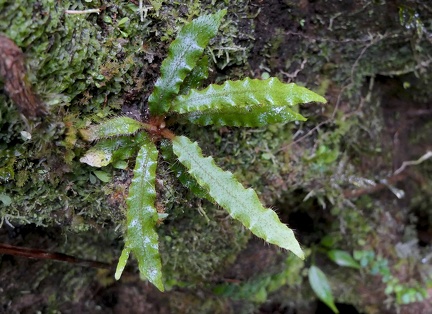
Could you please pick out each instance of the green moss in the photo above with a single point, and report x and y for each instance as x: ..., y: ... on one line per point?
x: 87, y: 67
x: 257, y: 289
x: 197, y: 239
x: 68, y: 57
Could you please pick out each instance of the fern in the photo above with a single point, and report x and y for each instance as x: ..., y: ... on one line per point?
x: 242, y: 204
x: 141, y: 237
x: 110, y: 128
x: 244, y: 93
x: 110, y: 150
x: 248, y: 102
x: 245, y: 103
x: 183, y: 55
x: 182, y: 173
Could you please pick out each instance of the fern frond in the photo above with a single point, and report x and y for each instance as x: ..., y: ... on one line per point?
x: 248, y: 102
x: 198, y: 74
x: 181, y: 172
x: 141, y: 219
x: 110, y: 150
x: 242, y: 204
x: 250, y: 116
x: 184, y: 53
x: 111, y: 128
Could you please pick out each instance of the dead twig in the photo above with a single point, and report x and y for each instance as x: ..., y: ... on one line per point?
x: 83, y: 11
x: 405, y: 164
x: 42, y: 254
x: 398, y: 175
x: 374, y: 188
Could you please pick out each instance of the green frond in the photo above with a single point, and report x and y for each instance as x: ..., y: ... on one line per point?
x: 181, y: 173
x: 195, y: 78
x: 110, y: 150
x: 183, y: 54
x: 242, y: 204
x: 248, y: 102
x: 111, y: 128
x: 320, y: 285
x: 250, y: 116
x: 141, y: 238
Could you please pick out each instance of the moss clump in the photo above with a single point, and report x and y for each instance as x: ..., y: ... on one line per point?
x: 108, y: 72
x: 86, y: 67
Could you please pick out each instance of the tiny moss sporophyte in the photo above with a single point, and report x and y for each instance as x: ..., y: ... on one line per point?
x: 242, y: 103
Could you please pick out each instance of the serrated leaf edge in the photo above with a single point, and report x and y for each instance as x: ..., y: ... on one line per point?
x: 183, y: 54
x: 242, y: 204
x: 141, y: 237
x: 243, y: 93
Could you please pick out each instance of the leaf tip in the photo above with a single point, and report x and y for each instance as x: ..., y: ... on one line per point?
x: 221, y: 13
x: 310, y: 96
x: 118, y: 274
x: 300, y: 254
x: 160, y: 286
x: 321, y: 99
x: 299, y: 117
x: 295, y: 248
x: 121, y: 263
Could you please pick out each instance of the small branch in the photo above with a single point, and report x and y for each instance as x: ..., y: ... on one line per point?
x: 42, y: 254
x: 296, y: 72
x: 375, y: 188
x: 83, y: 11
x: 405, y: 164
x: 397, y: 176
x: 143, y: 10
x: 424, y: 64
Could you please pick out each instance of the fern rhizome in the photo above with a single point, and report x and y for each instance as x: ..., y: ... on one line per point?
x: 247, y: 103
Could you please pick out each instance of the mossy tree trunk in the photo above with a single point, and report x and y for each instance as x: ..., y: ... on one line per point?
x: 332, y: 177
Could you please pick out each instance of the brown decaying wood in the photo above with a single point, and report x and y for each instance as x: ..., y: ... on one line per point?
x: 13, y: 75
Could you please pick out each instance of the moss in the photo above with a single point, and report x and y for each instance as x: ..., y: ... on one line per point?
x: 68, y: 57
x: 197, y: 239
x: 256, y: 290
x: 195, y: 249
x: 88, y: 67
